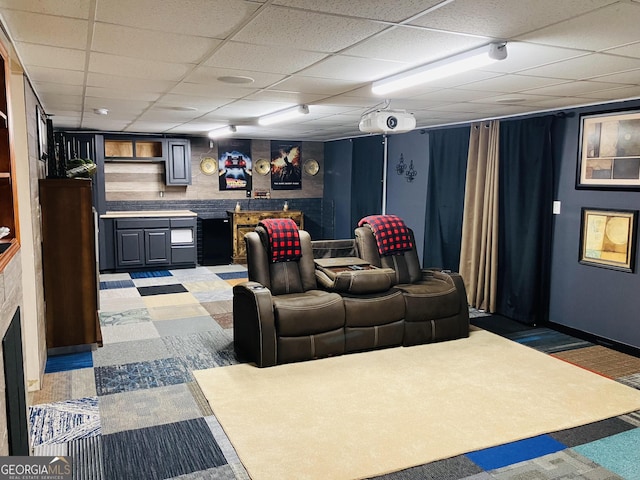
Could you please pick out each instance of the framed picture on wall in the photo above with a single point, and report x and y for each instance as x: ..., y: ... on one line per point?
x: 609, y: 153
x: 608, y: 238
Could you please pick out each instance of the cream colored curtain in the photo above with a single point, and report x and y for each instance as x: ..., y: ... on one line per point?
x: 479, y: 250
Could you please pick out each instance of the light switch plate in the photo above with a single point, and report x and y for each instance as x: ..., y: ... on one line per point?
x: 556, y: 207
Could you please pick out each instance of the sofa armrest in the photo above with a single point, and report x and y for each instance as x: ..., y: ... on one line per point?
x: 254, y: 334
x: 456, y: 280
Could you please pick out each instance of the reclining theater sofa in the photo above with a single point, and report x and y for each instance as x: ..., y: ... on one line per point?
x: 298, y: 306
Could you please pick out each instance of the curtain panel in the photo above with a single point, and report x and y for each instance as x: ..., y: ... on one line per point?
x: 448, y: 151
x: 479, y: 248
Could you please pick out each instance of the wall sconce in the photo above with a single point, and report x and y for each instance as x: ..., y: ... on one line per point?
x: 284, y: 115
x: 412, y: 173
x: 476, y: 58
x: 401, y: 166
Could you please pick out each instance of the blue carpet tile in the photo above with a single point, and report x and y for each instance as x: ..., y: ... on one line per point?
x: 140, y: 375
x: 547, y: 340
x: 515, y: 452
x: 116, y: 284
x: 162, y: 289
x: 152, y: 274
x: 70, y: 361
x: 619, y: 453
x: 232, y: 275
x: 159, y: 452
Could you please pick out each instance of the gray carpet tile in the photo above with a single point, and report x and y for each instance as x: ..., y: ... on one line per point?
x: 121, y: 352
x: 200, y: 399
x: 591, y: 432
x: 163, y: 451
x: 632, y: 418
x: 147, y: 408
x: 124, y: 317
x: 240, y: 471
x: 128, y: 333
x: 563, y: 465
x: 454, y: 468
x: 222, y: 306
x: 224, y: 472
x: 223, y: 441
x: 631, y: 380
x: 203, y: 350
x: 214, y: 295
x: 87, y: 458
x: 140, y: 375
x: 155, y: 281
x: 184, y: 326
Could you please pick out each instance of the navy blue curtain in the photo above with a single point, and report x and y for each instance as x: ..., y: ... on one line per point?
x: 366, y: 178
x: 448, y: 152
x: 525, y: 206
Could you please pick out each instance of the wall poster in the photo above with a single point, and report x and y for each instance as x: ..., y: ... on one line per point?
x: 286, y: 165
x: 234, y: 164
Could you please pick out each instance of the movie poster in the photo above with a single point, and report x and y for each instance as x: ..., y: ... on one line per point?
x: 286, y: 165
x: 234, y: 164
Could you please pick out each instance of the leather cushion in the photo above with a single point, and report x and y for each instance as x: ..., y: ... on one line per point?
x: 374, y: 310
x: 430, y: 299
x: 307, y: 313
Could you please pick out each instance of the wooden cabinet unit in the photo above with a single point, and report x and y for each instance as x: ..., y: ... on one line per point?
x: 178, y: 166
x: 69, y: 263
x: 245, y: 221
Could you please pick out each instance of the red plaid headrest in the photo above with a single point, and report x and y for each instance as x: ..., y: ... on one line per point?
x: 284, y: 240
x: 390, y: 231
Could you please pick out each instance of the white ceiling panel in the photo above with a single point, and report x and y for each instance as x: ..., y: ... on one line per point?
x: 593, y: 31
x: 206, y: 18
x: 151, y: 45
x: 156, y: 64
x: 281, y: 26
x: 503, y: 19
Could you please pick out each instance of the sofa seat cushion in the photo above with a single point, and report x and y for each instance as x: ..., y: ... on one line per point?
x: 374, y: 309
x: 308, y: 313
x: 430, y: 299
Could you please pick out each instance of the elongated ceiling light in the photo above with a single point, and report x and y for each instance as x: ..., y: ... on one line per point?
x: 222, y: 132
x: 284, y: 115
x: 463, y: 62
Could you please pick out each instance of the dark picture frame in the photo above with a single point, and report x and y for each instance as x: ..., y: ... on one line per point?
x: 609, y: 151
x: 43, y: 143
x: 608, y: 238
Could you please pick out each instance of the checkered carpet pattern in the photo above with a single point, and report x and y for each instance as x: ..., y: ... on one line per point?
x: 132, y: 410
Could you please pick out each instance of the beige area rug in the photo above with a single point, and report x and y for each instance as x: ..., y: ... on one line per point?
x: 361, y: 415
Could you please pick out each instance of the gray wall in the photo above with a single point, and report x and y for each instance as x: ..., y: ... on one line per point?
x: 408, y: 199
x: 594, y: 300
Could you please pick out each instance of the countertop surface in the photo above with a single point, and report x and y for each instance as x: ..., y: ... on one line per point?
x: 149, y: 213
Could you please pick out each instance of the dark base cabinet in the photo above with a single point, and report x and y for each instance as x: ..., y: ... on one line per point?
x: 148, y: 243
x: 69, y: 263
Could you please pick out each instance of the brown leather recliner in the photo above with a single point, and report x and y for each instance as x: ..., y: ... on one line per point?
x: 280, y: 315
x: 436, y: 306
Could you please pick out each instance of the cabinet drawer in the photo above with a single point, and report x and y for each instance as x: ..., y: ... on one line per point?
x: 142, y: 223
x: 183, y: 222
x: 183, y: 255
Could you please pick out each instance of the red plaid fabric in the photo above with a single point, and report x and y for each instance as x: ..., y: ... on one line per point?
x: 284, y: 240
x: 391, y: 233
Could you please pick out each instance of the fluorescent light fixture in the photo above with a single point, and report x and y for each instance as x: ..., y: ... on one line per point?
x: 284, y: 115
x: 463, y: 62
x: 222, y: 132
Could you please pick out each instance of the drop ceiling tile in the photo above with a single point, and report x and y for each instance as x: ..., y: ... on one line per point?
x: 106, y: 80
x: 413, y: 46
x: 504, y: 18
x: 523, y: 55
x: 202, y: 104
x: 354, y: 69
x: 68, y: 8
x: 623, y: 93
x: 395, y: 11
x: 56, y: 75
x: 283, y: 96
x: 512, y: 83
x: 631, y: 77
x: 66, y: 122
x: 44, y: 87
x: 519, y: 98
x: 52, y: 31
x: 632, y: 50
x: 119, y: 93
x: 580, y: 88
x: 136, y: 68
x: 58, y: 101
x: 585, y: 67
x: 318, y: 32
x: 95, y: 123
x: 206, y: 18
x: 247, y: 109
x: 151, y: 127
x: 161, y: 115
x: 151, y: 45
x: 116, y: 105
x: 209, y: 76
x: 593, y: 30
x: 263, y: 58
x: 320, y: 86
x: 451, y: 95
x: 220, y: 90
x: 561, y: 102
x: 54, y: 57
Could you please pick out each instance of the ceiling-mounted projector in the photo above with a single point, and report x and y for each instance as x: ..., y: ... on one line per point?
x: 387, y: 121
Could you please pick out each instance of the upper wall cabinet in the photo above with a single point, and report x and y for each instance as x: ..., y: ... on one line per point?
x: 178, y: 166
x: 139, y: 150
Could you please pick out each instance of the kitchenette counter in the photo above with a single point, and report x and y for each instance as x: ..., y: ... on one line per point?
x: 149, y: 213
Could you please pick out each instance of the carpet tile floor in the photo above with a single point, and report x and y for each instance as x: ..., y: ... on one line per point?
x: 132, y: 410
